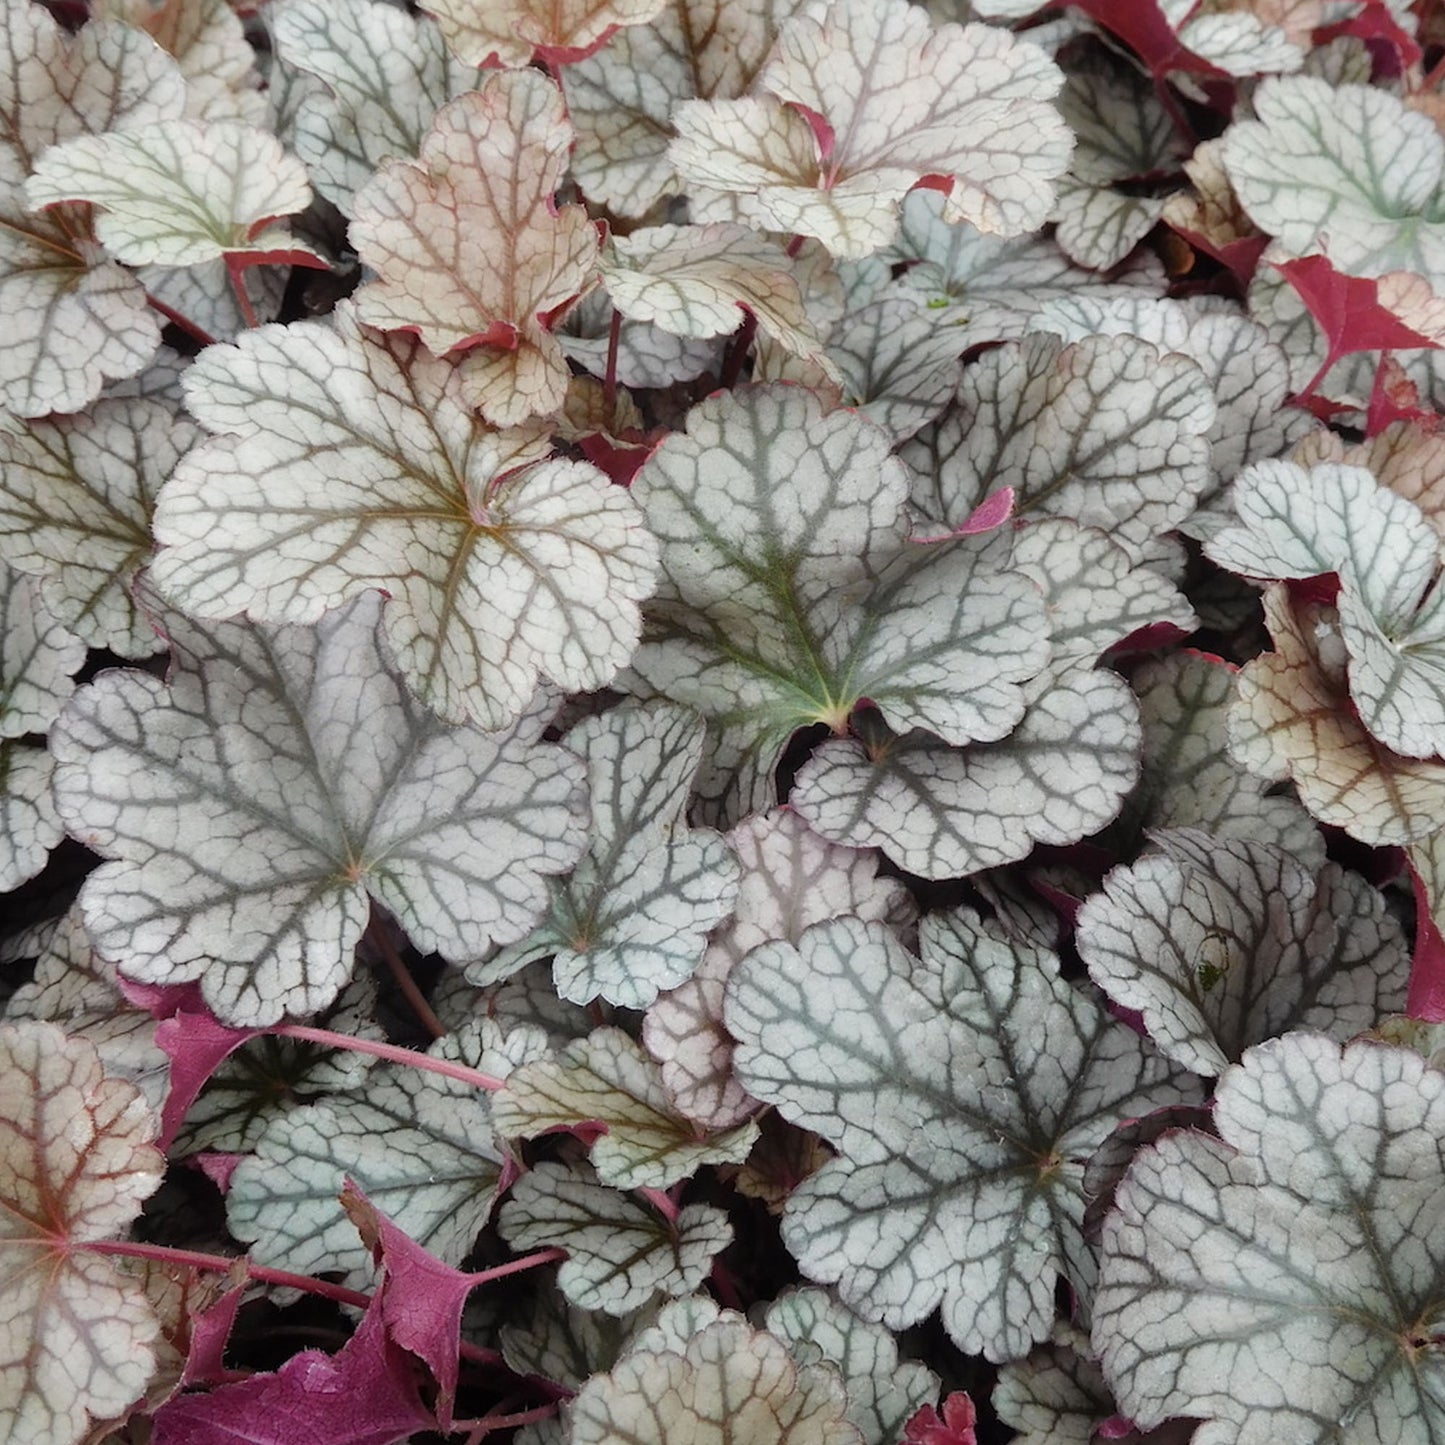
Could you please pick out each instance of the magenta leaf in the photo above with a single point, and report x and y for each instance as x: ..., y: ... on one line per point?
x: 1348, y: 308
x: 1427, y: 969
x: 365, y: 1394
x: 420, y: 1299
x: 955, y: 1427
x: 210, y: 1329
x: 197, y: 1044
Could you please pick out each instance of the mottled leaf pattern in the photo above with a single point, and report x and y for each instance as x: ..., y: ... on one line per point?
x: 254, y: 879
x: 500, y: 564
x: 385, y: 75
x: 420, y: 1146
x: 901, y: 101
x: 634, y: 916
x: 773, y: 518
x: 1219, y: 944
x: 75, y: 508
x: 620, y: 1253
x: 981, y: 1047
x: 178, y: 193
x: 729, y: 1381
x: 883, y: 1391
x: 607, y: 1078
x: 1308, y: 1236
x: 791, y: 878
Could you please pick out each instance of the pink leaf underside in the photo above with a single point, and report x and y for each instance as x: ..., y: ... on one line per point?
x: 956, y: 1426
x: 196, y: 1044
x: 1348, y: 308
x: 365, y: 1394
x: 421, y: 1298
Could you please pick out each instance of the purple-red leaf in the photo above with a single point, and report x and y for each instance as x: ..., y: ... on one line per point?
x: 196, y: 1044
x: 954, y: 1427
x: 420, y: 1299
x: 365, y: 1394
x: 1348, y: 309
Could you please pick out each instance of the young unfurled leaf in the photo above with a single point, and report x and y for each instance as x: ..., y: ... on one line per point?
x: 514, y: 32
x: 386, y: 73
x: 607, y: 1079
x: 1187, y: 778
x: 77, y: 1335
x: 728, y: 1382
x: 1107, y: 431
x: 620, y: 1253
x: 422, y: 1147
x: 73, y: 318
x: 943, y: 812
x: 883, y: 1391
x: 897, y: 102
x: 1012, y: 1075
x: 791, y: 878
x: 252, y: 877
x: 621, y: 98
x: 692, y: 280
x: 1346, y: 170
x: 75, y: 503
x: 1292, y: 719
x: 1284, y: 1282
x: 791, y: 593
x: 500, y: 564
x: 472, y: 252
x: 634, y: 915
x: 179, y: 192
x: 1220, y: 944
x: 209, y: 43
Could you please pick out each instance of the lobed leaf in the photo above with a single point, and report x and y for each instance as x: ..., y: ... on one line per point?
x: 620, y: 1254
x: 500, y: 564
x: 1284, y: 1282
x: 607, y: 1079
x: 179, y: 192
x: 253, y: 878
x: 472, y: 251
x: 791, y: 878
x: 76, y: 1162
x: 898, y: 102
x: 76, y: 495
x: 729, y: 1382
x: 517, y: 31
x: 1219, y: 944
x: 633, y: 917
x: 981, y: 1048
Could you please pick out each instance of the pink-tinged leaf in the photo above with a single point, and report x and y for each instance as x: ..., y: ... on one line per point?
x: 1350, y: 310
x: 77, y: 1332
x: 217, y: 1166
x: 956, y: 1426
x: 1395, y: 398
x: 421, y: 1299
x: 1211, y: 218
x: 1142, y: 26
x: 196, y: 1044
x: 365, y: 1394
x: 210, y: 1330
x: 1427, y: 971
x: 162, y: 1000
x: 1374, y: 21
x: 514, y: 32
x: 471, y: 249
x: 991, y: 513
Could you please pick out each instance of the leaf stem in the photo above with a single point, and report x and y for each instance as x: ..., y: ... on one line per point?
x: 180, y: 319
x: 609, y: 379
x: 489, y: 1424
x: 738, y: 349
x: 237, y: 272
x: 380, y: 939
x: 166, y: 1254
x: 662, y: 1202
x: 516, y: 1266
x: 393, y: 1053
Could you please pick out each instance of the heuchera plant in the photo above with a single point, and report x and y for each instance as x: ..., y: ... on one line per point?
x: 722, y: 721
